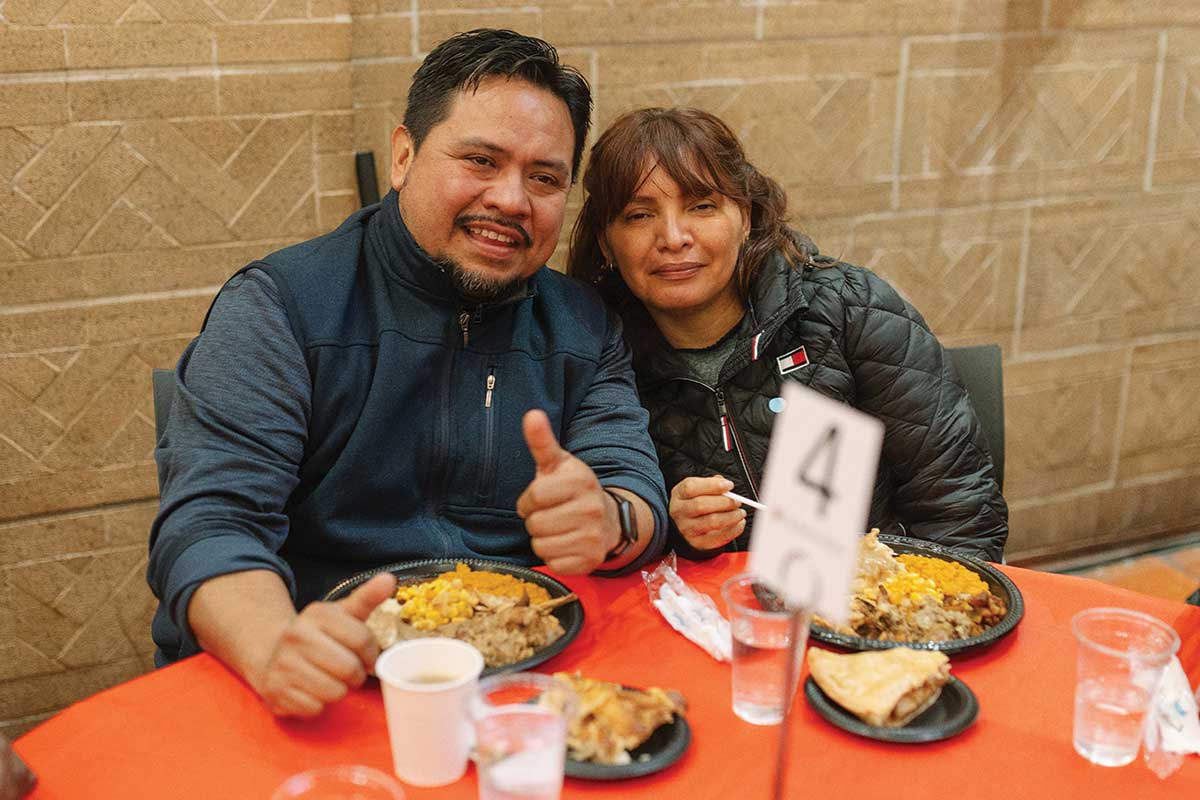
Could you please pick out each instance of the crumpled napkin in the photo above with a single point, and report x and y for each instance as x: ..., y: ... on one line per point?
x: 692, y: 613
x: 1172, y: 727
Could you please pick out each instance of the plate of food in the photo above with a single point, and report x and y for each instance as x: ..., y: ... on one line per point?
x: 917, y: 594
x: 897, y: 695
x: 622, y: 731
x: 515, y: 616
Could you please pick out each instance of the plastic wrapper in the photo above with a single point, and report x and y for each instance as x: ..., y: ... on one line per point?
x: 1172, y: 728
x: 692, y: 613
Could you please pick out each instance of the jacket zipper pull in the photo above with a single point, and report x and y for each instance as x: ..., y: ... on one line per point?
x: 464, y: 322
x: 491, y: 385
x: 726, y: 437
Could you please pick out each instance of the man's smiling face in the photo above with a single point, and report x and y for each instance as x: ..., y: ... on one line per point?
x: 485, y: 194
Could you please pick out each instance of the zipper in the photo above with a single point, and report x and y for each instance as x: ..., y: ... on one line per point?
x: 487, y: 478
x: 729, y: 433
x: 464, y: 325
x: 439, y: 466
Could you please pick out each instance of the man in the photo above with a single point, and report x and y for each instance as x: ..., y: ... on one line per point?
x: 414, y: 384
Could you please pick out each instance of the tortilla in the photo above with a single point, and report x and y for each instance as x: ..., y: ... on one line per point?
x: 888, y: 688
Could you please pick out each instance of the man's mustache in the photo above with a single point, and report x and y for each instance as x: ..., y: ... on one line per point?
x: 514, y: 226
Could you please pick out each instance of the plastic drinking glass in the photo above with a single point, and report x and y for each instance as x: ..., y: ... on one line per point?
x: 345, y: 782
x: 520, y: 744
x: 1121, y: 657
x: 761, y: 648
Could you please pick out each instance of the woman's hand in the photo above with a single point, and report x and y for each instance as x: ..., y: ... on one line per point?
x: 704, y: 515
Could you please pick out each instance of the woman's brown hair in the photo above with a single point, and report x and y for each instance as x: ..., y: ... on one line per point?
x: 703, y: 155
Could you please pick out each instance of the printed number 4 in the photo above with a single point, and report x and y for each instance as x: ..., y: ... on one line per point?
x: 817, y: 469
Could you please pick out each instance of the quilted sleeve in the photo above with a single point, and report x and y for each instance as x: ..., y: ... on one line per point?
x: 934, y: 447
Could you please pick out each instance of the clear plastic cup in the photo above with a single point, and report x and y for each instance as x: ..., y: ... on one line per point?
x: 762, y: 646
x: 520, y: 743
x: 345, y: 782
x: 1122, y: 656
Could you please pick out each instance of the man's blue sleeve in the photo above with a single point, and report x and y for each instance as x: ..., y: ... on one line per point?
x: 230, y: 456
x: 609, y: 434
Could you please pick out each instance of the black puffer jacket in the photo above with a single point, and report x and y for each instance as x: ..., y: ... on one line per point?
x: 866, y: 347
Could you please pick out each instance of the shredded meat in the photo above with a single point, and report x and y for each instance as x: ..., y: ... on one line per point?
x: 504, y: 631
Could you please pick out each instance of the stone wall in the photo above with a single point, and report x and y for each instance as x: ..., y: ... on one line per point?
x: 1026, y: 171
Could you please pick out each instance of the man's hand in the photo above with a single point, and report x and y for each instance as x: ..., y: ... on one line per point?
x: 16, y: 780
x: 704, y: 515
x: 571, y: 521
x: 323, y: 652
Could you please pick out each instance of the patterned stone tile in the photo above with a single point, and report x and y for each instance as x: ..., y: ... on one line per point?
x: 959, y: 269
x: 1120, y: 13
x: 623, y: 23
x: 101, y: 578
x: 1045, y: 527
x: 16, y: 150
x: 133, y: 44
x: 1177, y: 149
x: 1151, y: 507
x: 30, y: 49
x: 1111, y: 270
x: 789, y: 19
x: 39, y: 694
x: 1060, y: 421
x: 85, y: 201
x: 176, y: 211
x: 56, y: 537
x: 46, y: 492
x: 996, y: 119
x: 27, y: 375
x: 122, y: 229
x: 1162, y: 428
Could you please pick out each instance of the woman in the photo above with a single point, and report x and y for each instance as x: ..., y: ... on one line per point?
x: 722, y: 302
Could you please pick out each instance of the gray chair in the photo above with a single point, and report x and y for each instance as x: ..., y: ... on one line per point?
x: 164, y: 395
x: 982, y: 373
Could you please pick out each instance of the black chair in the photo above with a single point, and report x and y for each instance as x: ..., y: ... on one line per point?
x: 982, y: 372
x: 164, y: 395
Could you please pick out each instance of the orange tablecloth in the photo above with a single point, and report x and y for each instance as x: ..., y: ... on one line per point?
x: 194, y: 730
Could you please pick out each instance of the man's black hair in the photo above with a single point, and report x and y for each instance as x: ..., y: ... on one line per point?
x: 462, y: 62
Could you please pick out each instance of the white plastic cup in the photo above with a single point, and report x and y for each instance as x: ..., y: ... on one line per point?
x: 426, y: 685
x: 1122, y: 656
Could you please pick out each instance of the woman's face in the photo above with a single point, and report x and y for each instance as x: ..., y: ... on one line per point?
x: 676, y: 253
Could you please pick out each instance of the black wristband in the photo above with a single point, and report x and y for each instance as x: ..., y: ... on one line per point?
x: 628, y: 522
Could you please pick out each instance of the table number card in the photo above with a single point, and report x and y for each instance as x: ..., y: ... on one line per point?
x: 817, y: 489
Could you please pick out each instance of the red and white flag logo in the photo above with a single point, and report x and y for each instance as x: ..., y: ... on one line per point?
x: 790, y: 362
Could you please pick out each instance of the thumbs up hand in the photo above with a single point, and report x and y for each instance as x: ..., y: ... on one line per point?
x: 571, y: 520
x: 324, y: 651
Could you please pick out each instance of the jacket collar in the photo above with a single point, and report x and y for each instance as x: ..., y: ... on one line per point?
x: 776, y: 295
x: 404, y: 260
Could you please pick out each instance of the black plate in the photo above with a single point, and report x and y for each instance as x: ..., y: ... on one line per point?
x: 411, y: 572
x: 661, y: 750
x: 998, y: 583
x: 954, y: 711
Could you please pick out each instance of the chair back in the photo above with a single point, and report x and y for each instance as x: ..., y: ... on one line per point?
x: 982, y: 372
x: 164, y: 396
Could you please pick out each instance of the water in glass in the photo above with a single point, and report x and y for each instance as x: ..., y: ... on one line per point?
x: 760, y: 662
x: 1108, y: 721
x: 524, y: 752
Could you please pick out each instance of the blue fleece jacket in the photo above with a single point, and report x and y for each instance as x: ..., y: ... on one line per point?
x: 334, y: 415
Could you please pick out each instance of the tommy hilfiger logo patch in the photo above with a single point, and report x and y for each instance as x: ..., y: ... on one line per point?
x: 790, y: 362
